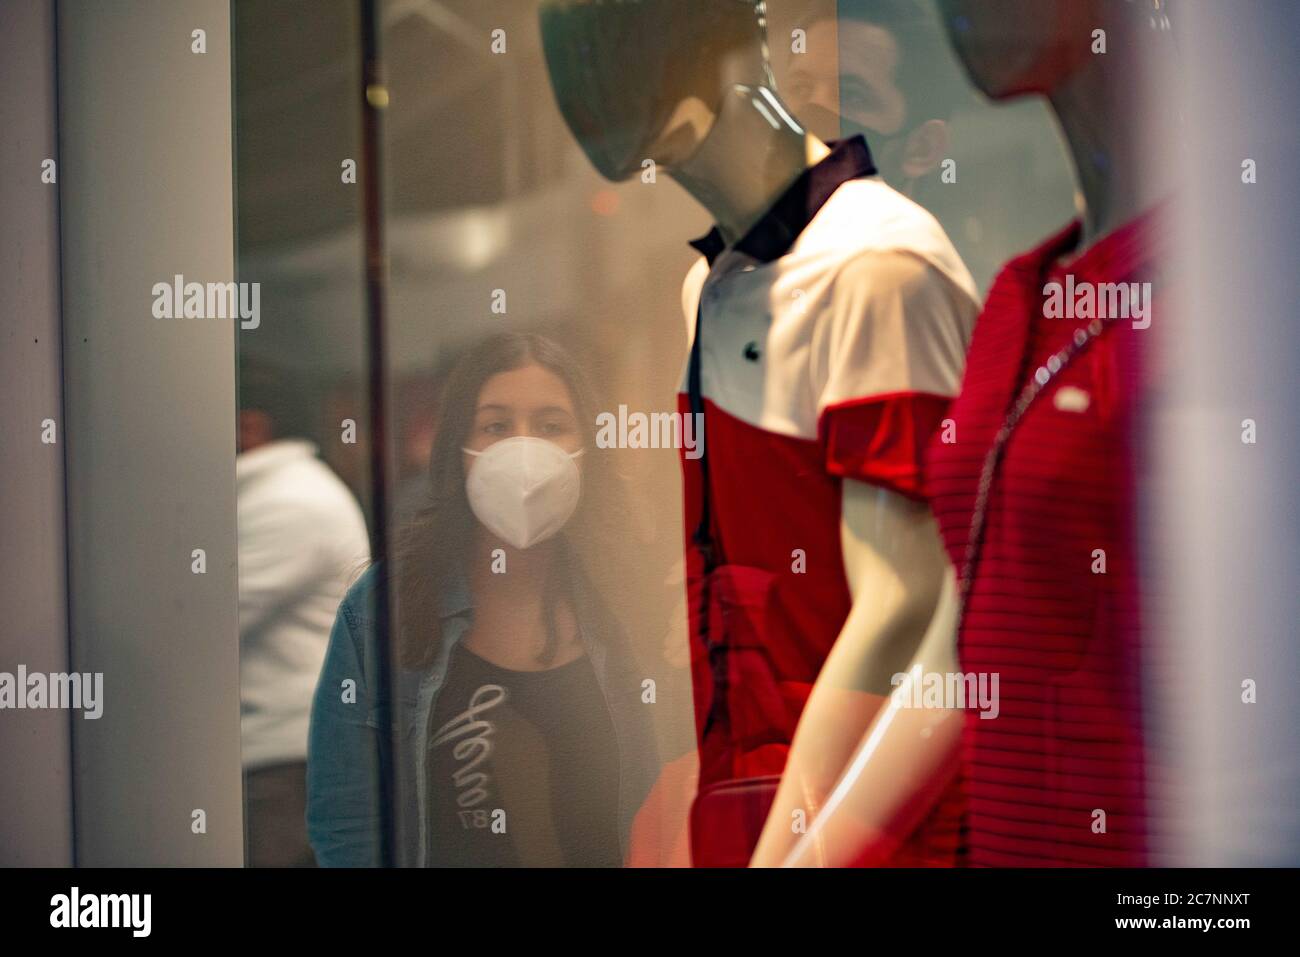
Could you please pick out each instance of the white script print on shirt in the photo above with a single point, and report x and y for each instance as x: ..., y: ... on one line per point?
x: 471, y: 734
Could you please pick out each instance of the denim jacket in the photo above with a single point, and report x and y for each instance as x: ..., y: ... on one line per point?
x: 348, y: 744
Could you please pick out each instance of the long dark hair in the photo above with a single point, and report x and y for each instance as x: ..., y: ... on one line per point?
x: 435, y: 545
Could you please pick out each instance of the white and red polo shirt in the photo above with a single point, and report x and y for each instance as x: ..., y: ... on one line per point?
x: 832, y: 339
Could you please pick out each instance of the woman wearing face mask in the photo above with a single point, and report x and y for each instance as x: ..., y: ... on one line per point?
x: 523, y: 737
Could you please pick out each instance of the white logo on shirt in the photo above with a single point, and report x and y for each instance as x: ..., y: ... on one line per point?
x: 1069, y: 398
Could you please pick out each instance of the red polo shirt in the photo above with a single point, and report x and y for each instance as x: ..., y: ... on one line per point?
x: 1057, y: 777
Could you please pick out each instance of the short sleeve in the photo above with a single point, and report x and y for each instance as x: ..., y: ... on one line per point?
x: 886, y: 362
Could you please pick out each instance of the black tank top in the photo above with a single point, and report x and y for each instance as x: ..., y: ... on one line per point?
x: 522, y: 768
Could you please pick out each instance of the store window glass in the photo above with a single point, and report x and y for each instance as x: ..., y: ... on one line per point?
x: 541, y: 703
x: 303, y: 486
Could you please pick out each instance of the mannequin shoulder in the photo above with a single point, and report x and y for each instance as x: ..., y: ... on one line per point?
x: 869, y: 218
x: 894, y: 278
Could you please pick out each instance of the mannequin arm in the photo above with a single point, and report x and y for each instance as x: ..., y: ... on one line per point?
x: 899, y: 578
x: 900, y: 767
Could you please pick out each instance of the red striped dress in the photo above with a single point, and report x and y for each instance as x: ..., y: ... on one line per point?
x: 1057, y: 777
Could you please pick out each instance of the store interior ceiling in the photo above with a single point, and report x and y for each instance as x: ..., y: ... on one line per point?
x: 457, y: 132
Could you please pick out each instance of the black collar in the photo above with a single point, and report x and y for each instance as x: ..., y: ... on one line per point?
x: 773, y: 235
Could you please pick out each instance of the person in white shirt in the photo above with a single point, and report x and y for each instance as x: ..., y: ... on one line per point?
x: 302, y: 540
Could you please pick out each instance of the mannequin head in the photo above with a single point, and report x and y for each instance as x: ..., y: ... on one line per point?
x: 646, y: 79
x: 1015, y: 47
x: 1101, y: 64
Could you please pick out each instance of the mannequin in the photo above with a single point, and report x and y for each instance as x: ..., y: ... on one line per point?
x: 1012, y: 48
x: 686, y: 84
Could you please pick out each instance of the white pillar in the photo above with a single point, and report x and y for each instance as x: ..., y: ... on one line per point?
x: 1224, y: 511
x: 36, y: 783
x: 146, y: 193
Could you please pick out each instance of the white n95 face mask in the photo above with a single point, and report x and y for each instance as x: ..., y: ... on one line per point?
x: 523, y: 489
